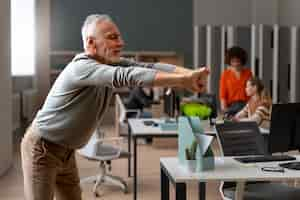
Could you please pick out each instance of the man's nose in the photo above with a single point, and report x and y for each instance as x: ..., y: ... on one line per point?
x: 121, y: 42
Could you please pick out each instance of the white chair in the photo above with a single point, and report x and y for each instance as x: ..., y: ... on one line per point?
x: 97, y: 150
x: 121, y: 125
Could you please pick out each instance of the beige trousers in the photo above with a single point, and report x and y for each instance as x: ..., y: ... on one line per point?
x: 49, y: 169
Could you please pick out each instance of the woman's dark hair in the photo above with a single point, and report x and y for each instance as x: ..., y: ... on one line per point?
x: 236, y: 52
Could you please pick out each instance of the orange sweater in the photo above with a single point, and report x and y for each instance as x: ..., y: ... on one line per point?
x: 232, y: 89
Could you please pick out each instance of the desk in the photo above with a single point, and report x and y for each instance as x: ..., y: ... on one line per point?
x: 137, y: 129
x: 226, y: 169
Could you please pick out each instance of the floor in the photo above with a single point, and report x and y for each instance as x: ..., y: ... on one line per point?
x: 11, y: 184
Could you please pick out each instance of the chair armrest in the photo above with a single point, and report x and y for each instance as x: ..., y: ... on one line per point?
x: 222, y: 192
x: 133, y: 111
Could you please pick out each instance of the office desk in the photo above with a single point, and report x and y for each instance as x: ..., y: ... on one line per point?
x: 137, y: 129
x: 226, y: 169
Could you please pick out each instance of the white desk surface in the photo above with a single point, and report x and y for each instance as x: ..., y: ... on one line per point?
x: 228, y: 169
x: 139, y: 128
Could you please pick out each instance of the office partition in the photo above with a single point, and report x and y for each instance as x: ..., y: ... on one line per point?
x: 267, y: 29
x: 6, y: 143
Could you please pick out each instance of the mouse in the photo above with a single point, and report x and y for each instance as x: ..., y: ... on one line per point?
x: 155, y: 124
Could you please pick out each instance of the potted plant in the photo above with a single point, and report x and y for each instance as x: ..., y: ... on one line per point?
x: 196, y: 161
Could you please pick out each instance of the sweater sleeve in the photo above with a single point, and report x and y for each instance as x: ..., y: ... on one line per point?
x: 158, y: 66
x: 261, y: 113
x: 243, y: 113
x: 90, y: 72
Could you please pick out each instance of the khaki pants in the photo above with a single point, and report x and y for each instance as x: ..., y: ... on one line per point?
x: 49, y: 169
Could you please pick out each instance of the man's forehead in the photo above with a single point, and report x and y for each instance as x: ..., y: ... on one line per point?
x: 108, y: 27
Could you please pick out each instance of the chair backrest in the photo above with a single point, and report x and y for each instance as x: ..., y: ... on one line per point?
x: 120, y: 109
x: 96, y: 149
x: 240, y: 139
x: 121, y: 115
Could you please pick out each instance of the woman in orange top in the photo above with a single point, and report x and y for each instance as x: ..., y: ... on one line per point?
x: 233, y: 81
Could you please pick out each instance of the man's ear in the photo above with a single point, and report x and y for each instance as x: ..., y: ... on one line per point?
x: 91, y: 44
x: 90, y: 41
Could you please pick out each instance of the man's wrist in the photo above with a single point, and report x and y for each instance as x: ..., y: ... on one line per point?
x: 182, y: 80
x: 182, y: 70
x: 163, y: 79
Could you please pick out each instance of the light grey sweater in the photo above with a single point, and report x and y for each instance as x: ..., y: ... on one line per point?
x: 81, y: 94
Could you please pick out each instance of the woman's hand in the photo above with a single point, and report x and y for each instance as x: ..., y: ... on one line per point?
x: 235, y: 119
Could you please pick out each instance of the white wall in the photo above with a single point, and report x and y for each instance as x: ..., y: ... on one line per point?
x: 264, y: 11
x: 289, y: 12
x: 222, y: 12
x: 6, y: 147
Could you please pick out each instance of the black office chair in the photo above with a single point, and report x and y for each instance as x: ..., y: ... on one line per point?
x: 242, y: 139
x: 211, y: 100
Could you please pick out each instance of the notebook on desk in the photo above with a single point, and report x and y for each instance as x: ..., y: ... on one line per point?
x: 168, y: 125
x: 291, y: 165
x: 265, y: 158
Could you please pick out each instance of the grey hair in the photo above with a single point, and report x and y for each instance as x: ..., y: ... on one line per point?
x: 89, y: 26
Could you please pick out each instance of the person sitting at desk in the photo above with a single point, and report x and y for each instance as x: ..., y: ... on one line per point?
x: 258, y: 107
x: 139, y: 99
x: 233, y: 82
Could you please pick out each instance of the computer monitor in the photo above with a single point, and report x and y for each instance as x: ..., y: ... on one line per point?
x: 285, y: 128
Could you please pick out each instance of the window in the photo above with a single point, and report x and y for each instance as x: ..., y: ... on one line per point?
x: 22, y: 37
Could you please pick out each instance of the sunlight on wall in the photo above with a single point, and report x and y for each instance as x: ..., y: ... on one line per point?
x: 22, y: 37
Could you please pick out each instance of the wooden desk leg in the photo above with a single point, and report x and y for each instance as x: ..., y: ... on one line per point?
x: 202, y: 190
x: 180, y: 190
x: 164, y: 185
x: 129, y: 150
x: 134, y: 169
x: 239, y: 192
